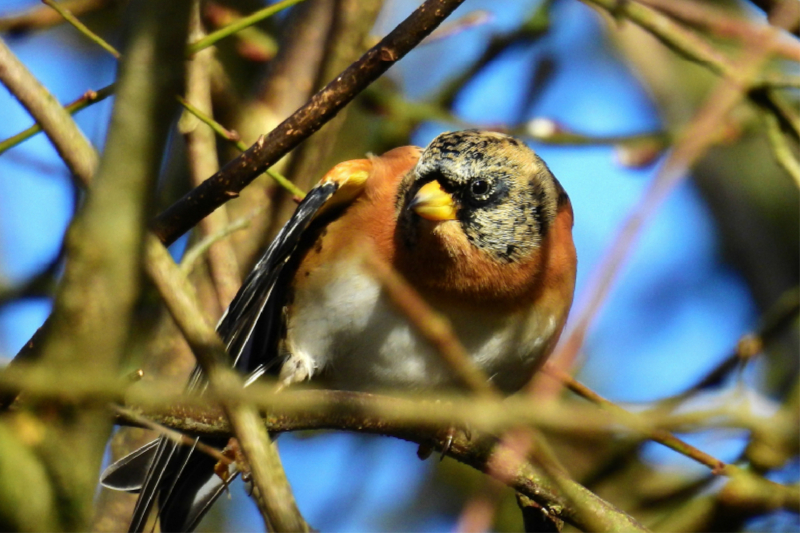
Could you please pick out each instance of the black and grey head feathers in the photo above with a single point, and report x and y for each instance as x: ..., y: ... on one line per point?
x: 505, y: 196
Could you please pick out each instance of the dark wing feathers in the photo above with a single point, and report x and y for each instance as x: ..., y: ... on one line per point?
x: 236, y: 325
x: 182, y: 480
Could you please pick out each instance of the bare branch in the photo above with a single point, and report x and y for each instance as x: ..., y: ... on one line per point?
x: 323, y: 106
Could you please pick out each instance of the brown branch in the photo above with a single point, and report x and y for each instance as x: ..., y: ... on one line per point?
x: 323, y: 106
x: 658, y: 435
x: 323, y: 409
x: 175, y: 436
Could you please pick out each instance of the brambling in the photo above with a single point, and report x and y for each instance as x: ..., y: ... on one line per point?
x: 477, y: 224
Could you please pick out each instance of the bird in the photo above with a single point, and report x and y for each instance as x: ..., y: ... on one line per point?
x: 475, y: 222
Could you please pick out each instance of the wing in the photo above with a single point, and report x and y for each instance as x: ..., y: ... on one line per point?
x: 179, y: 478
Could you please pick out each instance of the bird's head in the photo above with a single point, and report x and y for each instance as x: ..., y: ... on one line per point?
x: 480, y: 189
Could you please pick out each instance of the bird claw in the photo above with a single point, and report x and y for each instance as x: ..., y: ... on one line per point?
x: 296, y: 369
x: 446, y: 439
x: 447, y: 442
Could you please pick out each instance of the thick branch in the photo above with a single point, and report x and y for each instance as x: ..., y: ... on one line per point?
x: 94, y: 308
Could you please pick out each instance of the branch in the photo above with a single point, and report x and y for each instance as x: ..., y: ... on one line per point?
x: 193, y: 254
x: 81, y: 27
x: 433, y: 326
x: 781, y: 148
x: 233, y: 138
x: 91, y: 97
x: 323, y: 106
x: 238, y: 25
x: 201, y: 146
x: 659, y: 435
x: 368, y: 413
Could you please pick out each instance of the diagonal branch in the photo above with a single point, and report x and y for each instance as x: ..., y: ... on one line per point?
x: 322, y: 107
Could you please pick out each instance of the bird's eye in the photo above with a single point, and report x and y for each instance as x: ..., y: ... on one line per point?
x: 480, y: 187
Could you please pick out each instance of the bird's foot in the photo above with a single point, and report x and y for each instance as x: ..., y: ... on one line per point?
x: 298, y: 367
x: 445, y: 440
x: 233, y: 461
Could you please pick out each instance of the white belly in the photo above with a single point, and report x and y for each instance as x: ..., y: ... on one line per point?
x: 349, y: 333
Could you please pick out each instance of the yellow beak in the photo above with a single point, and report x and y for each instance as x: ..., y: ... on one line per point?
x: 433, y: 203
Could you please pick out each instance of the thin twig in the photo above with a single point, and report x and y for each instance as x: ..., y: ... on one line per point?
x: 780, y: 146
x: 89, y: 97
x: 551, y: 132
x: 41, y: 17
x: 245, y: 22
x: 779, y: 316
x: 659, y: 435
x: 254, y: 44
x: 519, y: 442
x: 103, y: 93
x: 234, y: 139
x: 700, y: 134
x: 434, y: 327
x: 189, y: 259
x: 679, y: 39
x: 70, y: 143
x: 81, y: 27
x: 173, y: 435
